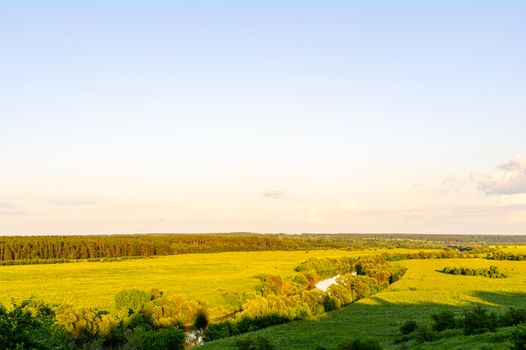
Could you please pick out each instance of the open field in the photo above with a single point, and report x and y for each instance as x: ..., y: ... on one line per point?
x: 515, y: 249
x: 199, y: 276
x: 421, y: 292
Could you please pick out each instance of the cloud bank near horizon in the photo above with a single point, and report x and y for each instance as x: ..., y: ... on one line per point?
x: 510, y: 178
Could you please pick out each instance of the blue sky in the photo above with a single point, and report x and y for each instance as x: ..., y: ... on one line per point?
x: 201, y: 116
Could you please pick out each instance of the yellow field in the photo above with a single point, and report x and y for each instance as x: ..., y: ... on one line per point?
x: 199, y: 276
x: 423, y: 284
x: 515, y: 249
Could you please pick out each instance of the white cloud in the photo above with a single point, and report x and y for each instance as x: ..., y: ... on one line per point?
x: 509, y: 179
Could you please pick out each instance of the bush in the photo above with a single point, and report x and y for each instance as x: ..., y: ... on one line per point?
x: 518, y: 337
x: 424, y: 334
x: 397, y: 273
x: 257, y: 343
x: 358, y: 344
x: 242, y: 325
x: 490, y: 272
x: 331, y: 303
x: 512, y: 317
x: 85, y: 323
x: 139, y: 320
x: 408, y: 327
x: 132, y: 300
x: 164, y: 339
x: 479, y: 320
x: 218, y: 330
x: 444, y: 320
x: 30, y: 325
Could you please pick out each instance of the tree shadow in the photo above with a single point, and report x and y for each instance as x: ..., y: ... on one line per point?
x: 500, y: 299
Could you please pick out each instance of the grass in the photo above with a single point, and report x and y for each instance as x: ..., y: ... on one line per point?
x: 420, y: 293
x: 199, y: 276
x: 455, y: 340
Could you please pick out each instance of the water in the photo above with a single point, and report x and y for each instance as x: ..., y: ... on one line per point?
x: 194, y: 337
x: 324, y: 284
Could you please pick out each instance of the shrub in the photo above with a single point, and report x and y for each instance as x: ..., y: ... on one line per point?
x: 164, y: 339
x: 267, y: 321
x: 173, y: 311
x: 85, y: 322
x: 491, y: 272
x: 512, y: 317
x: 397, y: 273
x: 424, y: 334
x: 479, y: 320
x: 518, y: 337
x: 242, y: 325
x: 444, y: 320
x: 30, y: 325
x: 139, y: 320
x: 331, y: 303
x: 132, y: 300
x: 408, y: 327
x: 218, y: 330
x: 358, y: 344
x: 256, y: 343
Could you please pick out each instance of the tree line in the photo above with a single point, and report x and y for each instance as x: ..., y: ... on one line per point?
x: 490, y: 272
x: 500, y: 255
x: 61, y: 249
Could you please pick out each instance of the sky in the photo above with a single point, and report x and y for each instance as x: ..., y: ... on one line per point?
x: 263, y: 116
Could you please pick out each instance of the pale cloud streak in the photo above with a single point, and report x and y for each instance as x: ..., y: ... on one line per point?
x: 8, y: 208
x: 513, y: 199
x: 275, y: 194
x: 452, y: 183
x: 73, y: 201
x: 426, y: 216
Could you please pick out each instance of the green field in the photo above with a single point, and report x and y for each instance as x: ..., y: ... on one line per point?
x: 199, y: 276
x: 421, y: 292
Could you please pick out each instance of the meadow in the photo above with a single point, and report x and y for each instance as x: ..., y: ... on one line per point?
x: 421, y: 292
x: 205, y: 277
x: 199, y: 276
